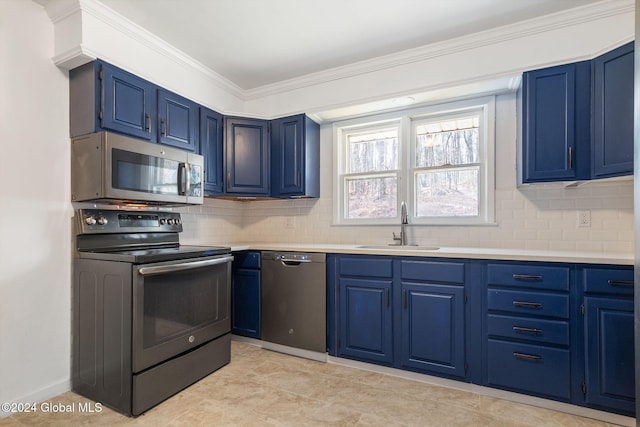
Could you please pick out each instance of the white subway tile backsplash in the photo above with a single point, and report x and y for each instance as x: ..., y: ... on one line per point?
x: 529, y: 217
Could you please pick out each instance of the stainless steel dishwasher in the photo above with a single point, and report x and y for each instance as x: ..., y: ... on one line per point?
x: 294, y: 299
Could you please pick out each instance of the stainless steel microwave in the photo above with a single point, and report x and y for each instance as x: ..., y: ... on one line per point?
x: 111, y: 168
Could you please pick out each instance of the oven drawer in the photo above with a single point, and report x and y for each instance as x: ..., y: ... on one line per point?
x: 529, y: 303
x: 531, y: 329
x: 533, y: 369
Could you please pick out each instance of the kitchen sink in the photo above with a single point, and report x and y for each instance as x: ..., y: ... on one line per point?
x: 401, y: 247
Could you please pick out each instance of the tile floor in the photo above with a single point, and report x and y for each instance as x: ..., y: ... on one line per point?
x: 264, y: 388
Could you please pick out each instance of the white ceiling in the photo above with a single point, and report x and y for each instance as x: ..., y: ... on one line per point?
x: 254, y: 43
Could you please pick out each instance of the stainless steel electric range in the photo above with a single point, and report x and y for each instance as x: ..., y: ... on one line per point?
x: 150, y: 316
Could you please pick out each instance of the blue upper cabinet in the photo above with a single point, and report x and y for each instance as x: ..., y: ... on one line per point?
x: 105, y: 97
x: 556, y: 122
x: 247, y: 157
x: 295, y: 151
x: 177, y: 121
x: 128, y: 103
x: 578, y: 119
x: 613, y: 113
x: 211, y: 147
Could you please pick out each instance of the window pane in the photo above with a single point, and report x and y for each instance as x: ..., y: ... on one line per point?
x: 451, y: 193
x: 449, y: 142
x: 373, y: 152
x: 372, y: 198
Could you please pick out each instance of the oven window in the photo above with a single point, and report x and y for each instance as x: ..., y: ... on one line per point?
x: 182, y: 302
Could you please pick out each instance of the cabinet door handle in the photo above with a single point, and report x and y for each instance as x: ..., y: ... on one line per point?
x: 163, y: 127
x: 148, y: 117
x: 526, y: 356
x: 570, y: 157
x: 520, y: 329
x: 386, y: 297
x: 526, y: 277
x: 404, y: 299
x: 527, y: 304
x: 620, y: 282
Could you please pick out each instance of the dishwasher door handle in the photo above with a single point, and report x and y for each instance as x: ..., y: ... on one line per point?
x: 291, y: 261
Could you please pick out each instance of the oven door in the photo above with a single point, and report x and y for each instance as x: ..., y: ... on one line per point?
x: 178, y: 306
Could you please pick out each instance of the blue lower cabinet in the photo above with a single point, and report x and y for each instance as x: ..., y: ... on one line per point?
x: 528, y: 329
x: 245, y: 295
x: 609, y: 341
x: 366, y: 320
x: 609, y: 355
x: 404, y: 313
x: 433, y: 336
x: 558, y: 331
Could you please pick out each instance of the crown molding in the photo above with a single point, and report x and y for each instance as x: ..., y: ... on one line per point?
x: 490, y: 37
x: 59, y: 10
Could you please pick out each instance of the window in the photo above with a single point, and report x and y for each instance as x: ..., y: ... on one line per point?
x: 371, y: 176
x: 438, y: 159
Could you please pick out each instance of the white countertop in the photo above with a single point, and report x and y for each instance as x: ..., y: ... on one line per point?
x: 449, y: 252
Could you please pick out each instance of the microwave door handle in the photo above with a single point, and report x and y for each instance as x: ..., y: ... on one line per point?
x: 182, y: 175
x: 187, y: 180
x: 160, y: 269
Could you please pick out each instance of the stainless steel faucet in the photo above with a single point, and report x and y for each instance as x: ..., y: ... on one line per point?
x: 404, y: 220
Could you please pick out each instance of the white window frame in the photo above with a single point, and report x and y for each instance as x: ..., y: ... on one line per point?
x: 340, y: 167
x: 406, y: 173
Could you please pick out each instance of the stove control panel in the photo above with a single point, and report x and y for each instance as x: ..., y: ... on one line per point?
x: 119, y: 221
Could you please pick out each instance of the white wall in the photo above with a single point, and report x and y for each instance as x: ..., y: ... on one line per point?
x: 35, y: 252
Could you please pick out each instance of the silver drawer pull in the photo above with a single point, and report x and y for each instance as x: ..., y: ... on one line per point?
x: 527, y: 304
x: 620, y: 282
x: 520, y: 329
x: 526, y: 356
x: 526, y: 277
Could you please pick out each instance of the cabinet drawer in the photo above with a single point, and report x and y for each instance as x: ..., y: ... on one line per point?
x: 608, y: 280
x: 531, y: 303
x: 451, y: 272
x: 526, y: 328
x: 530, y: 276
x: 366, y: 267
x: 246, y: 260
x: 530, y: 368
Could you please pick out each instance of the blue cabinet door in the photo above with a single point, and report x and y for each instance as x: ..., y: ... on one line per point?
x: 295, y: 152
x: 613, y: 113
x: 556, y: 123
x: 211, y: 148
x: 366, y: 320
x: 609, y: 344
x: 128, y: 103
x: 247, y: 156
x: 245, y: 295
x: 177, y: 121
x: 433, y: 328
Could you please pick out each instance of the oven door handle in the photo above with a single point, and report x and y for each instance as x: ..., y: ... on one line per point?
x: 160, y: 269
